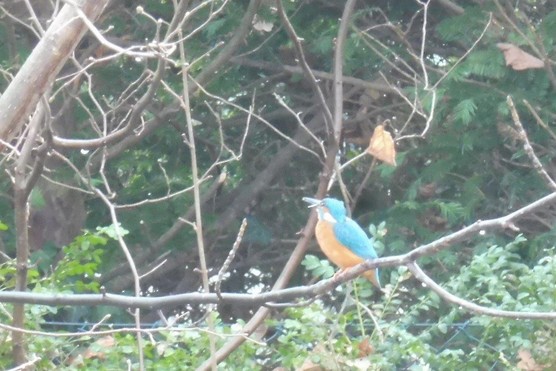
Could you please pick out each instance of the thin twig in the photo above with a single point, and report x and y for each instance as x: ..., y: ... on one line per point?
x: 27, y: 365
x: 230, y: 258
x: 197, y: 200
x: 528, y: 148
x: 383, y: 88
x: 133, y: 268
x: 539, y: 120
x: 259, y: 117
x: 467, y: 52
x: 363, y: 183
x: 303, y: 61
x: 339, y: 94
x: 169, y: 196
x: 301, y: 123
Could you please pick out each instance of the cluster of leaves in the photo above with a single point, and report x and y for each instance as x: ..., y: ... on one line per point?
x: 75, y: 272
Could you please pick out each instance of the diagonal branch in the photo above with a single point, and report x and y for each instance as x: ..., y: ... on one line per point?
x: 39, y: 70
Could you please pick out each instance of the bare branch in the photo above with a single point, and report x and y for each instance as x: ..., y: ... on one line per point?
x: 339, y: 67
x: 42, y: 66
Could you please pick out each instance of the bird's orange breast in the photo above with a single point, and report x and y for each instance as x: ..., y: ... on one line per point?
x: 332, y: 248
x: 339, y: 254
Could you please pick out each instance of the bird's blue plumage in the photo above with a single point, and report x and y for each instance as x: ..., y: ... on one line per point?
x: 336, y: 208
x: 348, y: 232
x: 352, y: 236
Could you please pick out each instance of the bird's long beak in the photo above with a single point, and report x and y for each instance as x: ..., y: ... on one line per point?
x: 313, y: 202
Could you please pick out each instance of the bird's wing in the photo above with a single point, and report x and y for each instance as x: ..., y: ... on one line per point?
x: 350, y: 234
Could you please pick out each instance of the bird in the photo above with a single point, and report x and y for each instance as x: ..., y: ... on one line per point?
x: 341, y: 239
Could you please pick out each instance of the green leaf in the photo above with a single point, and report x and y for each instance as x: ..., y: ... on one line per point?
x: 113, y: 231
x: 465, y: 110
x: 311, y: 262
x: 442, y: 328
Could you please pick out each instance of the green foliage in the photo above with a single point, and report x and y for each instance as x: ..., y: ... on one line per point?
x: 112, y: 231
x: 464, y: 111
x: 484, y: 64
x: 378, y: 233
x: 318, y: 267
x: 78, y: 268
x: 466, y: 26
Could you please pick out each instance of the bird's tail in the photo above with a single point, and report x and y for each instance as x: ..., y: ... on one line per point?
x: 372, y: 275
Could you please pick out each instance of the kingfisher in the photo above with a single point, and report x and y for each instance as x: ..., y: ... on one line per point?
x: 341, y: 239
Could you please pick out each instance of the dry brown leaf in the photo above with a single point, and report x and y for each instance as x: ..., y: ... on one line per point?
x: 518, y: 59
x: 527, y: 362
x: 365, y: 348
x: 382, y: 146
